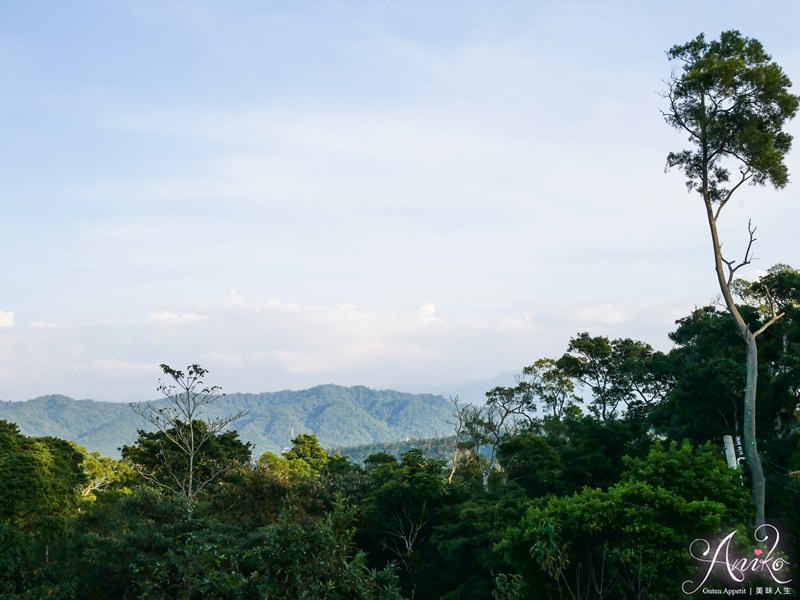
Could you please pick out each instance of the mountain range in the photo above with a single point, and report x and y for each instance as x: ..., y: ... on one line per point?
x: 338, y: 416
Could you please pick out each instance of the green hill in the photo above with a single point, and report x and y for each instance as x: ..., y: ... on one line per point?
x: 338, y: 416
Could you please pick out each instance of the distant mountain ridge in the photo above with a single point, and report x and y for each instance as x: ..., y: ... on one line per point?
x: 339, y: 416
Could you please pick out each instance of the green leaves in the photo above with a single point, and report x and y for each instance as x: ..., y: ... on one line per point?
x: 631, y: 540
x: 552, y: 385
x: 694, y: 473
x: 39, y: 480
x: 733, y: 102
x: 619, y: 373
x: 306, y: 448
x: 40, y: 483
x: 168, y: 466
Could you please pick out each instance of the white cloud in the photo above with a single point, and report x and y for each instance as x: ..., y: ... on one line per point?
x: 427, y: 313
x: 6, y: 318
x: 358, y: 355
x: 603, y: 315
x: 223, y: 358
x: 173, y: 317
x: 344, y: 337
x: 273, y: 344
x: 304, y: 362
x: 116, y: 365
x: 517, y: 326
x: 235, y: 299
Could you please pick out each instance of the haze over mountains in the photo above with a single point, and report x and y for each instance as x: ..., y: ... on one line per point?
x: 338, y: 416
x: 473, y: 392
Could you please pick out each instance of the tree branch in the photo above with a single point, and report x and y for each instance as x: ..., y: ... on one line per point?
x: 747, y: 255
x: 746, y: 175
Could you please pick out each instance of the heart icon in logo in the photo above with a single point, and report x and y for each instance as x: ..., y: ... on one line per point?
x: 758, y: 551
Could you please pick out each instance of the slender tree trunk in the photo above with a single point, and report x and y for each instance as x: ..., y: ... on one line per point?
x: 757, y: 481
x: 750, y: 444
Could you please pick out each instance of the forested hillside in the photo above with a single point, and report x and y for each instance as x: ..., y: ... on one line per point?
x: 338, y: 416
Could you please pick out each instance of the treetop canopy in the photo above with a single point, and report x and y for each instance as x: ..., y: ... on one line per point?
x: 733, y: 101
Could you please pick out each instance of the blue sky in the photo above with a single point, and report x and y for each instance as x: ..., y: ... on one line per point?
x: 378, y: 193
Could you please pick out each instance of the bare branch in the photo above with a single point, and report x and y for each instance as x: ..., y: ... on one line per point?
x: 731, y: 264
x: 746, y: 175
x: 768, y: 324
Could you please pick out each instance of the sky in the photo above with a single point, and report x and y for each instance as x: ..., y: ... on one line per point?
x: 379, y: 193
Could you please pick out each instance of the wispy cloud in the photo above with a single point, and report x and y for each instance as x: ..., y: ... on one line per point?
x: 172, y: 317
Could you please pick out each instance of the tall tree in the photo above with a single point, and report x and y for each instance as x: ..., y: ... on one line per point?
x: 169, y: 467
x: 400, y: 509
x: 481, y: 429
x: 182, y: 432
x: 733, y: 101
x: 552, y: 386
x: 620, y: 372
